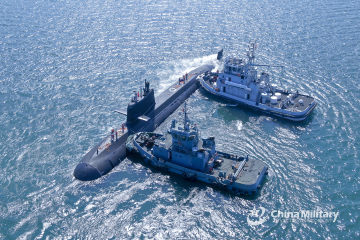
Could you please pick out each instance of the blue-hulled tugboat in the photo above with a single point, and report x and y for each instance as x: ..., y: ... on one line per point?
x: 239, y: 83
x: 182, y: 151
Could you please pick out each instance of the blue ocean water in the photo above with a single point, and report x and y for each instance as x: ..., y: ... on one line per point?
x: 66, y: 65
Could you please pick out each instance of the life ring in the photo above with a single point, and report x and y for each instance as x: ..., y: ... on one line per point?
x: 179, y: 142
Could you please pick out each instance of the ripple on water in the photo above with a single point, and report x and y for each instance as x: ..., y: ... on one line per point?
x: 66, y: 66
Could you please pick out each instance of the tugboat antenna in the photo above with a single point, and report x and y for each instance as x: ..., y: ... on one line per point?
x: 251, y: 52
x: 186, y: 120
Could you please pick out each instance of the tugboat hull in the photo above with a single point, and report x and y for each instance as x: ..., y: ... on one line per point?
x: 293, y: 116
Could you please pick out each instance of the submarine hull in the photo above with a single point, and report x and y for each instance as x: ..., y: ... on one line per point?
x: 98, y: 163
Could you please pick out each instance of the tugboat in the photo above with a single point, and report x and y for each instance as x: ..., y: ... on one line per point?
x: 182, y: 151
x: 239, y: 83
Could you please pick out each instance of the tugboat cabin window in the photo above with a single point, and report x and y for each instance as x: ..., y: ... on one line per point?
x: 191, y: 138
x: 183, y: 138
x: 175, y: 136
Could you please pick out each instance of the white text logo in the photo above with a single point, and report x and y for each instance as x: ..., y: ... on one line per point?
x: 256, y: 217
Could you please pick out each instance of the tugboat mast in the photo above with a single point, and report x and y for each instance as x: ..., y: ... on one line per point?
x: 251, y: 53
x: 186, y: 120
x: 185, y: 115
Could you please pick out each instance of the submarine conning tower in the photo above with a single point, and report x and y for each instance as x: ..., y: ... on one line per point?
x: 141, y: 104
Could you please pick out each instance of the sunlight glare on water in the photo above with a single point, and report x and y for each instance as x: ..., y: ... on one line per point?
x: 66, y: 65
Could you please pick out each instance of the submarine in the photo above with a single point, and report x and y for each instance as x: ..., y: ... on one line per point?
x: 144, y: 113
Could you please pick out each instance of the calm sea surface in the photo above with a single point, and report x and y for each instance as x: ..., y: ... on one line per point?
x: 66, y: 65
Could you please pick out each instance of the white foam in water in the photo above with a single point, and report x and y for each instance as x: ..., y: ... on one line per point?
x: 174, y: 70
